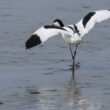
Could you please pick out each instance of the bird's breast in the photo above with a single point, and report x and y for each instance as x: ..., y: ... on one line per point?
x: 67, y: 38
x: 72, y: 39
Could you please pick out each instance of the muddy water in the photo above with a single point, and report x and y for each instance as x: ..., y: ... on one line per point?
x: 41, y: 78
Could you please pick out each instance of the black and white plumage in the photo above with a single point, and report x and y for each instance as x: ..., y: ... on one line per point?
x: 72, y: 34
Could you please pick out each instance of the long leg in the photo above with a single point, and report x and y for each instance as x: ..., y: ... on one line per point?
x: 75, y: 54
x: 71, y: 52
x: 73, y: 57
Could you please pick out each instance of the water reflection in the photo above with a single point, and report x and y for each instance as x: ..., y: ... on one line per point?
x: 62, y: 97
x: 74, y: 97
x: 73, y: 93
x: 66, y: 95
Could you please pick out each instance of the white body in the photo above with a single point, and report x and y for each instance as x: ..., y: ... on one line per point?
x: 72, y: 38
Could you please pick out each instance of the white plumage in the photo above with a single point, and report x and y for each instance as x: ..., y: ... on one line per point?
x: 72, y: 34
x: 44, y: 33
x: 99, y: 16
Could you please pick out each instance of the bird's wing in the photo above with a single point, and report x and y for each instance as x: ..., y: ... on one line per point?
x: 88, y: 22
x: 42, y: 34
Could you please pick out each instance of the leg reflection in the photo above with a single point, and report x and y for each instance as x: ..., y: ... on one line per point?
x: 74, y: 68
x: 73, y: 92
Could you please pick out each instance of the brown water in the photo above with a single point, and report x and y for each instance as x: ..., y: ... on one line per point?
x: 41, y: 78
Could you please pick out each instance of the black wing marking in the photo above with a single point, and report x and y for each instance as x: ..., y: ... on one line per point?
x: 87, y: 18
x: 71, y: 28
x: 32, y: 41
x: 76, y: 29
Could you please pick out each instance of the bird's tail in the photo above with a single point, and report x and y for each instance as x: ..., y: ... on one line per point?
x: 34, y: 40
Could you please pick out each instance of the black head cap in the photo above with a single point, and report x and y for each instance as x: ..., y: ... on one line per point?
x: 59, y: 21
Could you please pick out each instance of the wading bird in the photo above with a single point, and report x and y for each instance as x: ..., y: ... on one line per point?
x: 72, y: 34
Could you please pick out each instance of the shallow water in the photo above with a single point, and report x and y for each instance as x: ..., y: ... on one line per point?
x: 41, y: 78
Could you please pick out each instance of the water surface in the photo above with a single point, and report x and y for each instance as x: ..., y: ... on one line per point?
x: 41, y: 78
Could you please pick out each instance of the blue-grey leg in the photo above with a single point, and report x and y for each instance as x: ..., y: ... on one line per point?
x: 75, y: 52
x: 74, y: 66
x: 71, y: 52
x: 73, y: 56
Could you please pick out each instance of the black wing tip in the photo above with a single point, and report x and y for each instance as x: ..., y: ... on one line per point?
x: 34, y: 40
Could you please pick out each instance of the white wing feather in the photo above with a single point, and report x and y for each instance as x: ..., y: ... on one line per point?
x: 99, y: 16
x: 44, y: 34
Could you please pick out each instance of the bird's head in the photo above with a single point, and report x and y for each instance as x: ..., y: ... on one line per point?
x: 58, y: 22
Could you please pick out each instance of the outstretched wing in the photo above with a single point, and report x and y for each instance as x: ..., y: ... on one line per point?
x: 42, y: 34
x: 88, y: 22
